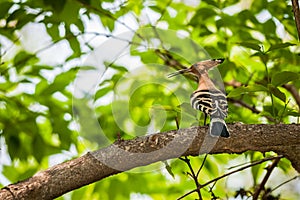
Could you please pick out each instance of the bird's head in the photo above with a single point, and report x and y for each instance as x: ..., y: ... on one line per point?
x: 199, y: 67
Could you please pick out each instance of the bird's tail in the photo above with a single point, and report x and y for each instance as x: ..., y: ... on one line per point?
x: 218, y: 128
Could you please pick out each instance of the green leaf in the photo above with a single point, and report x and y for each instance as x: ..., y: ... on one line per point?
x: 284, y: 77
x: 80, y: 25
x: 284, y: 164
x: 57, y: 5
x: 263, y: 56
x: 202, y: 14
x: 53, y: 31
x: 103, y: 91
x: 4, y: 7
x: 8, y: 86
x: 244, y: 90
x: 41, y: 86
x: 169, y: 169
x: 269, y: 27
x: 292, y: 113
x: 28, y: 173
x: 277, y: 93
x: 87, y: 67
x: 116, y: 67
x: 280, y: 46
x: 268, y: 110
x: 61, y: 81
x: 213, y: 3
x: 186, y: 108
x: 74, y: 44
x: 70, y: 13
x: 251, y: 46
x: 38, y: 143
x: 107, y: 20
x: 25, y: 20
x: 22, y: 58
x: 10, y: 173
x: 255, y: 170
x: 17, y: 14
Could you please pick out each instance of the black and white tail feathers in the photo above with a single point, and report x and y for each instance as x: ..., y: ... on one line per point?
x: 218, y: 128
x: 214, y: 104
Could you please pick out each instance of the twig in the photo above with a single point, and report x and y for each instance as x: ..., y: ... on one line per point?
x: 212, y: 192
x: 294, y: 92
x: 240, y: 102
x: 109, y: 15
x: 253, y: 109
x: 285, y: 182
x: 204, y: 159
x: 193, y: 175
x: 285, y: 105
x: 169, y: 59
x: 264, y: 181
x: 229, y: 173
x: 297, y: 15
x: 162, y: 13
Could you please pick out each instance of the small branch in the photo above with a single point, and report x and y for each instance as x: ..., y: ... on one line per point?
x: 212, y: 192
x: 252, y: 108
x: 285, y: 182
x: 204, y: 159
x: 235, y: 171
x: 109, y: 15
x: 163, y: 12
x: 297, y: 15
x: 169, y: 59
x: 264, y: 181
x: 294, y: 92
x: 243, y: 104
x: 193, y: 175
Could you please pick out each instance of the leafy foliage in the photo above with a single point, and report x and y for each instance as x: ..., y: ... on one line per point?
x: 39, y: 107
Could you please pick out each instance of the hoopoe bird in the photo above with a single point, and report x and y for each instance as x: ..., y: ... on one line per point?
x: 207, y: 98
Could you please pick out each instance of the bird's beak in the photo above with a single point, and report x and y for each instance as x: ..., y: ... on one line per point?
x: 182, y: 71
x: 219, y: 60
x: 209, y: 64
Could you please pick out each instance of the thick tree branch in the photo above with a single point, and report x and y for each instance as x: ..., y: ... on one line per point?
x: 127, y: 154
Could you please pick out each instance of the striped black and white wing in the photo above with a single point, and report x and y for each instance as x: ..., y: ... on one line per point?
x: 211, y: 102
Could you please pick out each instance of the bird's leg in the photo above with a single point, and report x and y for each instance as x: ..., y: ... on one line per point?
x: 205, y: 117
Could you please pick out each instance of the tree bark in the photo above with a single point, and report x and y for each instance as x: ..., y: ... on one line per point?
x: 296, y: 11
x: 127, y: 154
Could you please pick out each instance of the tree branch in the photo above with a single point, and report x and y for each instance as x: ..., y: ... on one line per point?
x: 193, y: 175
x: 127, y: 154
x: 285, y: 182
x: 229, y: 173
x: 252, y: 108
x: 264, y: 181
x: 297, y: 15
